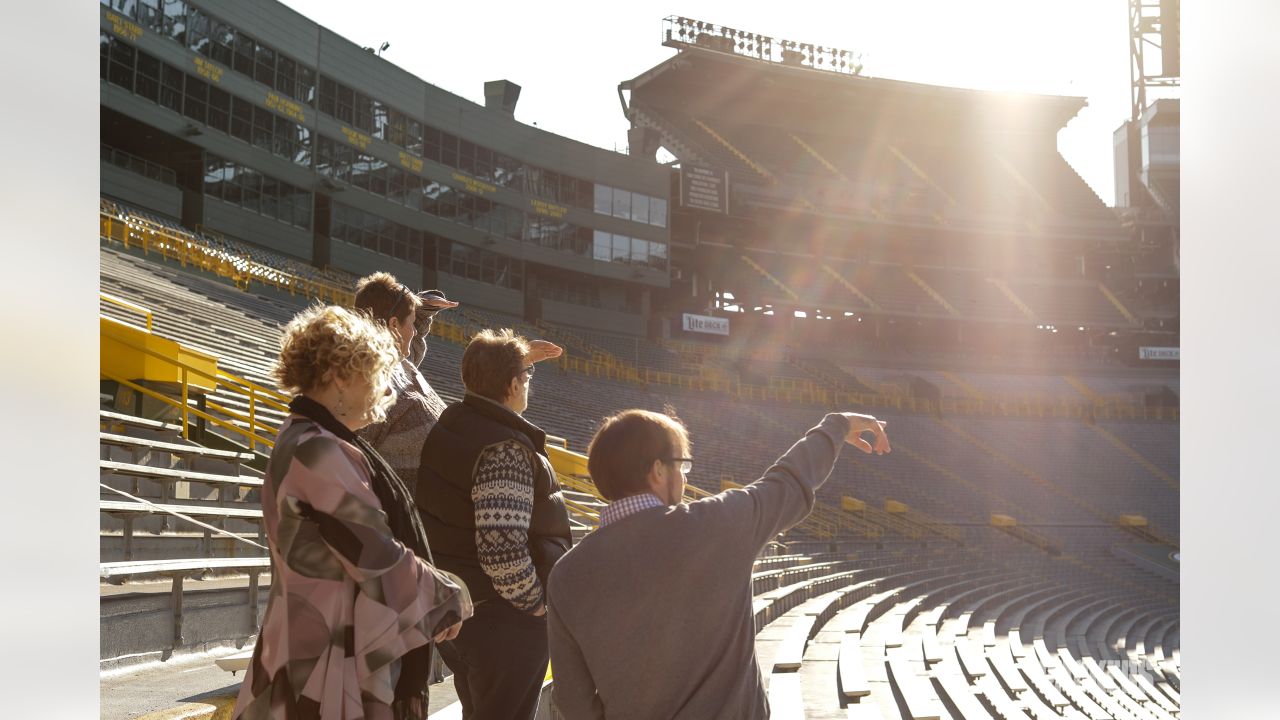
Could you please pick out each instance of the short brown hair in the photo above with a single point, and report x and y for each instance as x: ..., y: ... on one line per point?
x: 378, y: 294
x: 625, y: 446
x: 491, y: 360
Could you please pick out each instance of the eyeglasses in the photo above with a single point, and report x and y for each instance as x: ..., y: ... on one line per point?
x: 686, y: 464
x: 528, y: 371
x: 392, y: 312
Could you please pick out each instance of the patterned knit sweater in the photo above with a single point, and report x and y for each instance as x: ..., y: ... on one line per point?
x: 503, y: 496
x: 399, y: 439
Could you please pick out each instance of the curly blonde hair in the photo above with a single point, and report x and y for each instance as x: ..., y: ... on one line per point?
x: 328, y: 341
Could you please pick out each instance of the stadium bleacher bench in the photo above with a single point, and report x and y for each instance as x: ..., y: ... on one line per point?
x: 128, y: 510
x: 1041, y: 683
x: 106, y: 438
x: 971, y: 659
x: 177, y: 570
x: 1006, y: 671
x: 990, y: 688
x: 853, y: 677
x: 106, y: 416
x: 785, y: 697
x: 790, y: 652
x: 169, y: 475
x: 962, y: 697
x: 922, y: 702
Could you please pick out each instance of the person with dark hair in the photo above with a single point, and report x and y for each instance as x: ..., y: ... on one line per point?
x: 650, y: 615
x: 355, y: 598
x: 409, y: 316
x: 495, y: 516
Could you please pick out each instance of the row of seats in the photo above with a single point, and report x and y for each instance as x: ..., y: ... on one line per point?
x: 890, y: 288
x: 939, y: 465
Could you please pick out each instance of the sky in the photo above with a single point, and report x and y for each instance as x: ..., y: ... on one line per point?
x: 568, y: 57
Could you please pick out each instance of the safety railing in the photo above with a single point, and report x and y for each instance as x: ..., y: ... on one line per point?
x: 250, y: 426
x: 135, y: 164
x: 122, y: 303
x: 190, y: 249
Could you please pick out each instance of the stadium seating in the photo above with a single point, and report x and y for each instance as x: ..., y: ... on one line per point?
x: 906, y: 625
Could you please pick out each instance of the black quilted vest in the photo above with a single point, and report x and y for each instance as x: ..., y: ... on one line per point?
x: 447, y: 474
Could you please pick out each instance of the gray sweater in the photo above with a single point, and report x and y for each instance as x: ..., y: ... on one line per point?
x: 650, y: 616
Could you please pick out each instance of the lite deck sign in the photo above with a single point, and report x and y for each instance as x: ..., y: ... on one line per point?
x: 704, y: 189
x: 1157, y: 353
x: 706, y: 324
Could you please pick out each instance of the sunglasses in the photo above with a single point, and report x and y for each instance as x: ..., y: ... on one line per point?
x: 403, y: 292
x: 528, y: 371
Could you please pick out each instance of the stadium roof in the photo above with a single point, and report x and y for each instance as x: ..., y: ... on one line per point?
x: 722, y: 85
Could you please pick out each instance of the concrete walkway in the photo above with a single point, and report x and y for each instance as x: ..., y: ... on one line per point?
x: 147, y: 692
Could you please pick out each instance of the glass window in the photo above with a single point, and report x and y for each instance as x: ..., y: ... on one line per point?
x: 306, y: 90
x: 601, y: 246
x: 121, y: 75
x: 263, y: 128
x: 270, y: 197
x: 639, y: 251
x: 431, y: 143
x: 198, y: 31
x: 604, y: 199
x: 120, y: 71
x: 128, y: 8
x: 640, y: 207
x: 449, y: 149
x: 244, y: 54
x: 171, y: 82
x: 658, y: 255
x: 363, y: 112
x: 467, y: 157
x: 213, y: 175
x: 147, y: 81
x: 658, y: 212
x: 328, y: 96
x: 219, y: 109
x: 104, y: 53
x: 241, y: 119
x: 265, y: 66
x: 621, y: 203
x: 346, y: 104
x: 621, y: 248
x: 196, y: 99
x: 222, y: 45
x: 149, y: 14
x: 175, y: 20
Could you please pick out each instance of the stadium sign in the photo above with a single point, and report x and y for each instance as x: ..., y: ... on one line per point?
x: 1157, y: 353
x: 704, y: 189
x: 706, y: 324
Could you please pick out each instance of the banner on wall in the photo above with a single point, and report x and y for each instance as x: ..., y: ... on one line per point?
x: 706, y: 324
x: 1158, y: 353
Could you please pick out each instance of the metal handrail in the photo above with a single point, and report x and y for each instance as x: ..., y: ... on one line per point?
x: 255, y: 394
x: 121, y: 302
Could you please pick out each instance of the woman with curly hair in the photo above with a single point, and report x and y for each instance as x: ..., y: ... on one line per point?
x: 355, y: 600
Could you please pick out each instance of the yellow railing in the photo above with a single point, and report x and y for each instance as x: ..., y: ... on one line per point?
x: 251, y: 426
x: 121, y: 302
x: 190, y: 249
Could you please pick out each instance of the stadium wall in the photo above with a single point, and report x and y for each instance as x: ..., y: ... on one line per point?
x: 141, y: 191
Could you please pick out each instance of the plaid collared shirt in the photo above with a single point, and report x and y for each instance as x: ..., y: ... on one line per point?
x: 619, y: 509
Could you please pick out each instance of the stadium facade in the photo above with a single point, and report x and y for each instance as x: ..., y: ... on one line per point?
x: 253, y: 121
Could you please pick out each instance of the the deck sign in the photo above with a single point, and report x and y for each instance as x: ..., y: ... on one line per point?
x: 706, y: 324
